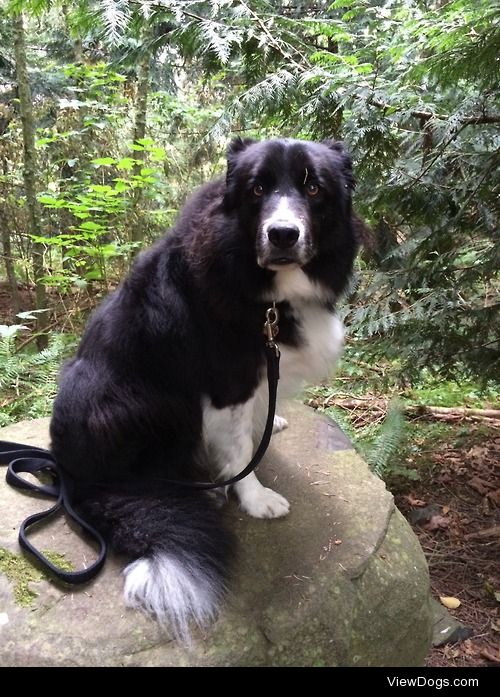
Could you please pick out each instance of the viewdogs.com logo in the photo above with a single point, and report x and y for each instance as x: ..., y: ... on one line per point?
x: 437, y: 683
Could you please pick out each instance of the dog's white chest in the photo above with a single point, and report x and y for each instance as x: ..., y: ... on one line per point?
x: 320, y: 345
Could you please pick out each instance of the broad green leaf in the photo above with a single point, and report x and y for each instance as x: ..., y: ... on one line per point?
x: 93, y: 275
x: 121, y: 185
x: 104, y: 161
x: 126, y: 163
x: 91, y: 225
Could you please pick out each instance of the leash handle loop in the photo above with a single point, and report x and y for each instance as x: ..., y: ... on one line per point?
x: 31, y: 460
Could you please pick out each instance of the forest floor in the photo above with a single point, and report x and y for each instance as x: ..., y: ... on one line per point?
x: 7, y: 314
x: 445, y: 476
x: 455, y: 511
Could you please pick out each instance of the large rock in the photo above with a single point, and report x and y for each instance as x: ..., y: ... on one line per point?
x: 341, y: 581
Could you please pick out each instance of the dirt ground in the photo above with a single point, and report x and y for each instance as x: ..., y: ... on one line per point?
x: 7, y: 315
x: 455, y: 512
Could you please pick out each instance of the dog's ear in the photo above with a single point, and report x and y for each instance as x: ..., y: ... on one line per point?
x: 346, y: 162
x: 236, y: 146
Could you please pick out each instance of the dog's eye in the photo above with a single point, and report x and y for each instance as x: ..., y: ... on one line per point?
x: 258, y: 190
x: 312, y: 189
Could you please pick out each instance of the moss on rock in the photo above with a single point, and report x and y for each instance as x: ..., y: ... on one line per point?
x: 21, y: 573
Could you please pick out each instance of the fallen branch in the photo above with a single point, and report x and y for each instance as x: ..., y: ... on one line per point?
x: 358, y: 402
x: 487, y: 532
x: 378, y: 404
x: 453, y: 411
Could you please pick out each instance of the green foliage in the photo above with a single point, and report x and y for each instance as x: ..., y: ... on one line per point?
x: 410, y: 85
x: 101, y: 212
x: 424, y: 131
x: 27, y: 378
x: 396, y: 447
x: 386, y: 449
x: 180, y: 123
x: 448, y: 393
x: 381, y: 445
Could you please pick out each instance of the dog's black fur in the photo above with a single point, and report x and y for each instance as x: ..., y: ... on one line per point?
x: 186, y: 324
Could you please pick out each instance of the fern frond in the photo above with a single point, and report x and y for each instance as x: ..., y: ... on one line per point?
x: 115, y: 16
x: 28, y: 381
x: 388, y: 440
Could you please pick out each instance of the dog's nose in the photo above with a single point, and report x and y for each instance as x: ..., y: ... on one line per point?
x: 283, y: 236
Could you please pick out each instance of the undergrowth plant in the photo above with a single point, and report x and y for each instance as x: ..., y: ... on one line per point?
x: 101, y: 210
x: 381, y: 445
x: 384, y: 454
x: 28, y: 379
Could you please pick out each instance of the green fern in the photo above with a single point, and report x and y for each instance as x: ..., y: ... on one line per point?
x: 381, y: 455
x: 379, y: 445
x: 28, y: 381
x: 115, y: 16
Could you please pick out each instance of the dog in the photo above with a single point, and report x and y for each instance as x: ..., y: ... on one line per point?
x: 169, y: 378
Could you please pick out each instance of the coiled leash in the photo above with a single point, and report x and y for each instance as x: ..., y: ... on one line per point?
x: 32, y: 460
x: 26, y: 459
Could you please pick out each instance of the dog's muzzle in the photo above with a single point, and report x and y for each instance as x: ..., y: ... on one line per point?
x: 284, y: 237
x: 281, y: 245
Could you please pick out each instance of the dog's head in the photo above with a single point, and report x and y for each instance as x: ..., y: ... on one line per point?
x: 290, y: 196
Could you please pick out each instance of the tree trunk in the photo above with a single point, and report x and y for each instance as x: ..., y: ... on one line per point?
x: 29, y: 174
x: 143, y: 74
x: 7, y: 248
x: 9, y: 262
x: 76, y: 41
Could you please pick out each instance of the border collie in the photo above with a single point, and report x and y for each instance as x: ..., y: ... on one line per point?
x: 169, y: 379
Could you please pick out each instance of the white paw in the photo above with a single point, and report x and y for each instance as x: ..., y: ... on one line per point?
x: 265, y: 503
x: 279, y: 424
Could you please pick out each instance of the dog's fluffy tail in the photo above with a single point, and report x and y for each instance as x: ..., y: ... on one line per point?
x: 181, y: 548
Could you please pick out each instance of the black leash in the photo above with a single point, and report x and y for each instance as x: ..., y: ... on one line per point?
x: 27, y: 459
x: 273, y: 359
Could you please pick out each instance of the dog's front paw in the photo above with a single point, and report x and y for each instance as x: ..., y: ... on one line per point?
x: 279, y: 424
x: 265, y: 503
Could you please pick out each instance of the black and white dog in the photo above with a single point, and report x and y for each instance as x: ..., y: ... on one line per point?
x: 170, y: 374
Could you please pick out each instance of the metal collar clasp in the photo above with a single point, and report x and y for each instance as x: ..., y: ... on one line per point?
x: 271, y: 328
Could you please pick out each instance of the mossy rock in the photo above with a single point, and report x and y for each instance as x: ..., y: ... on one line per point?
x: 341, y: 581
